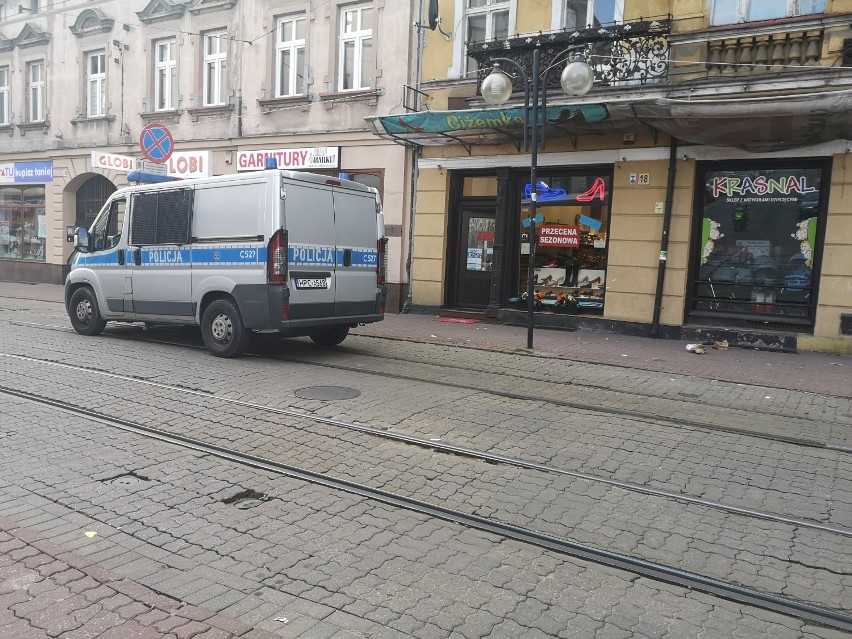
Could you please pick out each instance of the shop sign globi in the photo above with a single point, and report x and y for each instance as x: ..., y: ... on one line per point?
x: 189, y: 164
x: 113, y: 161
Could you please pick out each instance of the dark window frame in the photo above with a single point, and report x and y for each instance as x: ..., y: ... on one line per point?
x: 702, y: 169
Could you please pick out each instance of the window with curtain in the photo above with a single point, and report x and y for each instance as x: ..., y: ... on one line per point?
x: 35, y: 91
x: 165, y: 75
x: 580, y: 14
x: 485, y: 20
x: 4, y: 96
x: 96, y: 84
x: 215, y: 68
x: 290, y: 56
x: 734, y: 11
x: 356, y: 47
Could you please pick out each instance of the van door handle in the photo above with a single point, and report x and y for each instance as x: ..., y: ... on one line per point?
x: 137, y: 257
x: 347, y: 257
x: 121, y: 257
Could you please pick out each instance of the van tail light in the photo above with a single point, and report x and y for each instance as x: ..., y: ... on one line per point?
x: 276, y: 258
x: 382, y: 265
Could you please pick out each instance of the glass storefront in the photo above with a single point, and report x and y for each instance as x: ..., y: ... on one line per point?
x: 757, y: 244
x: 572, y: 214
x: 23, y: 226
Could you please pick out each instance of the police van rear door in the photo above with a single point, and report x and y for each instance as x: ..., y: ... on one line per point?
x: 309, y: 220
x: 355, y: 223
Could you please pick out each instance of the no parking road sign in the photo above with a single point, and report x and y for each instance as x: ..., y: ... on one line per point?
x: 157, y: 143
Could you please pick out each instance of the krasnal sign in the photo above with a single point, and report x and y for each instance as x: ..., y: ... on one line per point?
x: 39, y: 172
x: 324, y: 157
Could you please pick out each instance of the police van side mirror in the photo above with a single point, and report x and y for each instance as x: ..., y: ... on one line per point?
x: 81, y: 241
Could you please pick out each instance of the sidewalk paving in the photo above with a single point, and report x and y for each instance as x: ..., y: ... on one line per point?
x: 805, y: 371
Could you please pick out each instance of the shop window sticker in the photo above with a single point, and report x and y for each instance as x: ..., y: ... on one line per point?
x: 806, y: 232
x: 710, y: 233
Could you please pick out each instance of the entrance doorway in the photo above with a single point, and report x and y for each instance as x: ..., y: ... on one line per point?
x: 476, y: 258
x: 90, y: 198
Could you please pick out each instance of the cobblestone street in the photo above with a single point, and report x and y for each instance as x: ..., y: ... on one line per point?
x: 732, y: 466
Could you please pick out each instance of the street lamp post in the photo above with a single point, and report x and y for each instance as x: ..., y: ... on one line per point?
x: 577, y: 79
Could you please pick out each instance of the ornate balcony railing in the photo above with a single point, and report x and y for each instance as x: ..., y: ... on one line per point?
x: 632, y: 52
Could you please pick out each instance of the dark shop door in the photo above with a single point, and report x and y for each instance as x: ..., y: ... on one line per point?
x: 476, y: 255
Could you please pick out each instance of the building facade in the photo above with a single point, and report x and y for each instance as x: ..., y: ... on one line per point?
x: 701, y: 189
x: 230, y: 81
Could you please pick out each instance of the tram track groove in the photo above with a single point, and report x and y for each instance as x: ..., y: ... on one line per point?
x: 653, y: 570
x: 460, y: 451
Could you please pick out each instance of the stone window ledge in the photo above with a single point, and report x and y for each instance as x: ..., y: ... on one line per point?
x: 277, y: 104
x: 82, y: 119
x: 170, y: 115
x: 209, y: 111
x: 44, y: 126
x: 370, y: 96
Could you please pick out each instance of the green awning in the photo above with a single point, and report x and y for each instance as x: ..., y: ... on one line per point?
x: 478, y: 126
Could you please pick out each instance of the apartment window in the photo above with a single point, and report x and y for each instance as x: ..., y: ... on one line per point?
x: 96, y: 84
x: 486, y: 20
x: 165, y: 75
x: 734, y: 11
x: 215, y: 68
x: 580, y: 14
x: 290, y: 57
x: 4, y: 96
x: 356, y: 47
x: 35, y: 91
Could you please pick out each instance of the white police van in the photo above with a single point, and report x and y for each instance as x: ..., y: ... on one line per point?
x: 294, y: 252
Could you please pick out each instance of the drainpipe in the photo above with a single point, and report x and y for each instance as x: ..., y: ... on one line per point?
x: 415, y: 168
x: 664, y: 241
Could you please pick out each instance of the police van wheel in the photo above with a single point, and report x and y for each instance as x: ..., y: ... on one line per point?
x: 84, y: 312
x: 331, y: 337
x: 223, y: 331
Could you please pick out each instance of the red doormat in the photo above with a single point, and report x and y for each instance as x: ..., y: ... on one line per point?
x: 458, y: 320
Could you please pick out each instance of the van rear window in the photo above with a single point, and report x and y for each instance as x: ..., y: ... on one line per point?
x: 160, y: 217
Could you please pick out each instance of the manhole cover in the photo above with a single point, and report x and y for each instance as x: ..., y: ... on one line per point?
x: 327, y: 392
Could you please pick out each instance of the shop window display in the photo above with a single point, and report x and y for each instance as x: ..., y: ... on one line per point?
x: 757, y: 245
x: 570, y: 257
x: 23, y: 227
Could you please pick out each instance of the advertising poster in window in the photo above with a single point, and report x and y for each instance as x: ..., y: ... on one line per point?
x: 758, y: 241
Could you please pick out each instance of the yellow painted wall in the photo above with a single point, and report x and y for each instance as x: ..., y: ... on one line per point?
x: 430, y: 238
x: 634, y: 243
x: 835, y: 286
